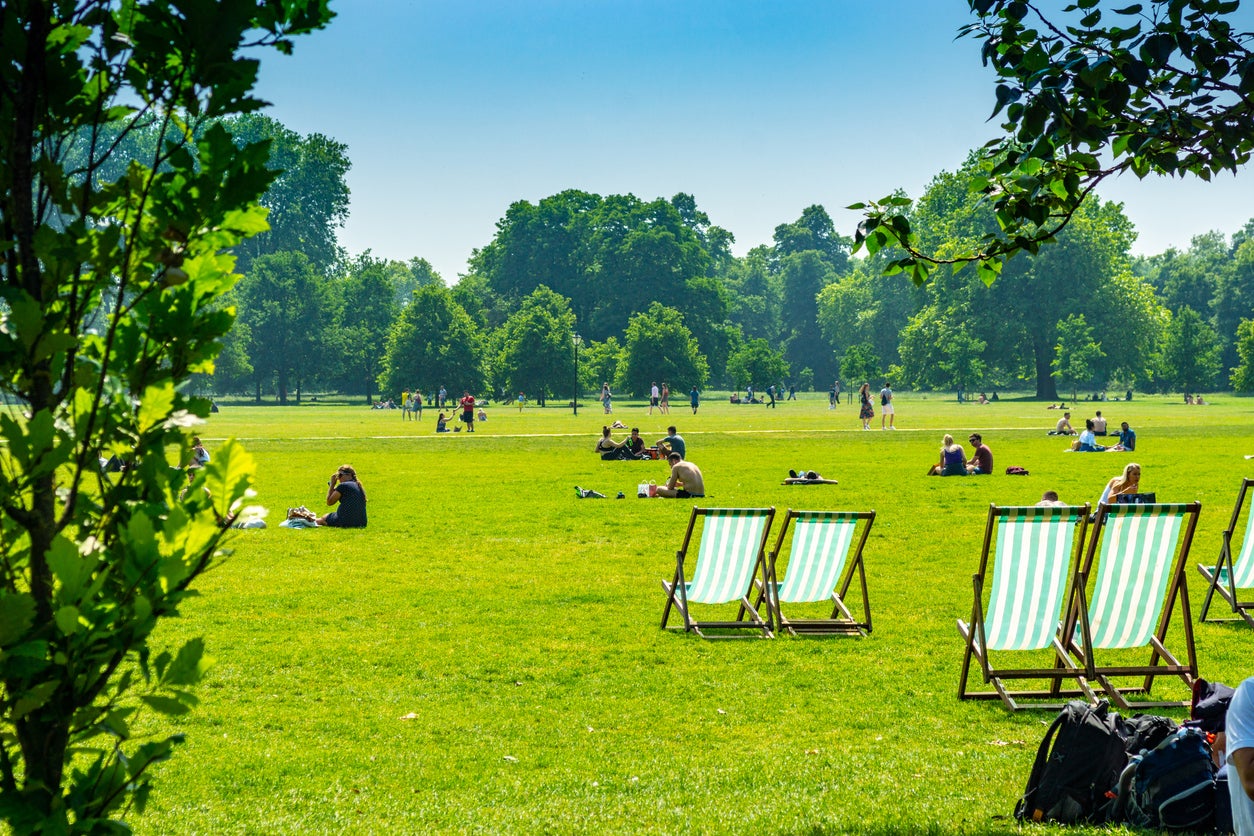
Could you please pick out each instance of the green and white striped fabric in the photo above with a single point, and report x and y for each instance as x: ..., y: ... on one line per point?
x: 1030, y: 576
x: 820, y: 549
x: 731, y: 540
x: 1138, y: 549
x: 1243, y: 563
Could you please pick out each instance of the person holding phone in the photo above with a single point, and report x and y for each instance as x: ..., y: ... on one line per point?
x: 345, y: 490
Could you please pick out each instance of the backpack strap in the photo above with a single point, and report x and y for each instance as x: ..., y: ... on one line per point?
x: 1023, y: 807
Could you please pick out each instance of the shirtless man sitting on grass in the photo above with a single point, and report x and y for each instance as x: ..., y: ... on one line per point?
x: 685, y: 479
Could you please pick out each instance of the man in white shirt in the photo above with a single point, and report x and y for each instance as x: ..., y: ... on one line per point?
x: 1239, y: 745
x: 886, y: 407
x: 654, y: 397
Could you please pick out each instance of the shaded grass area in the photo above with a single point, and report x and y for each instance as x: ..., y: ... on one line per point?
x: 486, y: 655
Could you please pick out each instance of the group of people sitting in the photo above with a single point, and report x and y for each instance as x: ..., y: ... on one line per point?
x: 1094, y: 427
x: 629, y: 449
x: 954, y: 461
x: 1199, y: 400
x: 632, y: 448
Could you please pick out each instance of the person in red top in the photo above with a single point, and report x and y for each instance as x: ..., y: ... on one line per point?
x: 468, y: 411
x: 981, y: 461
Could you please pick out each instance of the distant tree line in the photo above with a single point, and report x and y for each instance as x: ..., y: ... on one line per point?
x: 655, y: 295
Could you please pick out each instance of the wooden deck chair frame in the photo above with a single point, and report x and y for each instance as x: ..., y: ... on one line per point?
x: 729, y: 568
x: 1129, y: 568
x: 1037, y: 550
x: 1229, y: 574
x: 822, y: 562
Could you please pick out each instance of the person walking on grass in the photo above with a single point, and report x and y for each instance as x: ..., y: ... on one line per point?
x: 468, y: 411
x: 886, y: 407
x: 866, y: 412
x: 665, y: 405
x: 694, y: 397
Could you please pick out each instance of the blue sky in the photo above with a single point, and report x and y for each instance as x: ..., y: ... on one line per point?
x: 453, y: 110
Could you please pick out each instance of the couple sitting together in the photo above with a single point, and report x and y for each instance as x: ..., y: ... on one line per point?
x: 953, y: 461
x: 1087, y: 442
x: 629, y: 449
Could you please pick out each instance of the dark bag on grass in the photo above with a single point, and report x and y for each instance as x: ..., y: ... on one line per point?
x: 1171, y: 787
x: 1146, y: 731
x: 1069, y: 780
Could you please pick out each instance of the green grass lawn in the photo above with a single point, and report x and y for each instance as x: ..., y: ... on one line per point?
x: 486, y: 657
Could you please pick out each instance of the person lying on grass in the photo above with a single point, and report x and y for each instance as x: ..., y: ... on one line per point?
x: 686, y: 480
x: 807, y: 477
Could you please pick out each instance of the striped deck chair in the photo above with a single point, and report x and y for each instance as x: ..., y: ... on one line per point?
x: 820, y: 568
x: 1229, y: 574
x: 1036, y: 551
x: 1140, y: 580
x: 731, y: 553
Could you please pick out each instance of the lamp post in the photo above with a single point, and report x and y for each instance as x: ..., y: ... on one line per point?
x: 574, y: 402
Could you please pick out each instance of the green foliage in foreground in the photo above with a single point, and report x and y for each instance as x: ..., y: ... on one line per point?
x: 486, y: 655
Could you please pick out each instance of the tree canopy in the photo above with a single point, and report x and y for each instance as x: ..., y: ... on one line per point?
x: 111, y: 288
x: 1164, y: 87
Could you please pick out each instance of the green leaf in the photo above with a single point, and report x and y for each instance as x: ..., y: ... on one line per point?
x: 17, y: 614
x: 34, y: 697
x: 246, y: 222
x: 69, y: 568
x: 155, y: 406
x: 67, y: 620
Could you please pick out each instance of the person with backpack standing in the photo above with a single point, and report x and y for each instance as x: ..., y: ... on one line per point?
x: 886, y: 407
x: 1238, y: 743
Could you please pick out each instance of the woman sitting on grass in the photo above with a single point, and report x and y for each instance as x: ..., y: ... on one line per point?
x: 953, y: 460
x: 608, y: 447
x: 345, y: 490
x: 1087, y: 442
x: 1127, y: 482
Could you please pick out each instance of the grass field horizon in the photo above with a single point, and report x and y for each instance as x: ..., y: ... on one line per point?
x: 485, y: 656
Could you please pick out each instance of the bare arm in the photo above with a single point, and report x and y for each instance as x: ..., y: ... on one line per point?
x: 1243, y: 763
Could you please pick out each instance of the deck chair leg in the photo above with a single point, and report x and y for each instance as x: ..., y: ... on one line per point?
x: 968, y: 649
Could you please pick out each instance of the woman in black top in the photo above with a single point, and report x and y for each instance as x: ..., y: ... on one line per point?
x: 345, y: 489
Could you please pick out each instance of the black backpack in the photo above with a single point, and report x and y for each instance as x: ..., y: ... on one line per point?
x: 1146, y: 731
x: 1171, y: 787
x: 1069, y: 781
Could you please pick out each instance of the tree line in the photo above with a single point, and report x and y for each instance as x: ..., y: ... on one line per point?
x: 654, y: 294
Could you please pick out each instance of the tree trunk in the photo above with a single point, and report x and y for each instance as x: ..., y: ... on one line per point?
x: 1046, y: 387
x: 283, y: 386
